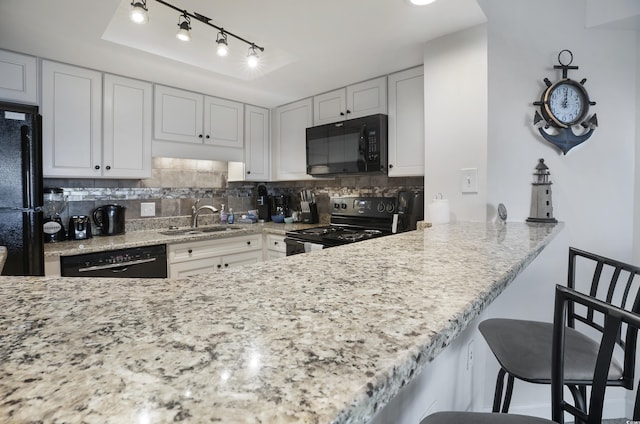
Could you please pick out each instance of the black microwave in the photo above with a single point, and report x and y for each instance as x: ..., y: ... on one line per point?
x: 354, y: 146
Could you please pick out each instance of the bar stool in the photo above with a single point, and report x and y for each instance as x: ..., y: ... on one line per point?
x: 613, y: 321
x: 523, y: 348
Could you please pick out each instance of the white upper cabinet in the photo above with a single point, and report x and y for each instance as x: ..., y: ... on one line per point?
x: 223, y: 122
x: 289, y: 155
x: 127, y: 127
x: 406, y: 123
x: 354, y: 101
x: 75, y: 142
x: 179, y: 115
x: 18, y: 77
x: 257, y: 154
x: 194, y: 126
x: 71, y: 121
x: 188, y: 117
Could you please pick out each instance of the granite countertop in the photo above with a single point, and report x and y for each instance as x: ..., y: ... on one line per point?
x: 151, y: 236
x: 325, y: 337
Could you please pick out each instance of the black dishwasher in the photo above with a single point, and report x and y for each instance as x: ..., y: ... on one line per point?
x: 134, y: 262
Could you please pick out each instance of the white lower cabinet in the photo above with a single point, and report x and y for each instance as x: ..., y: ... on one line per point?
x: 274, y: 247
x: 202, y: 256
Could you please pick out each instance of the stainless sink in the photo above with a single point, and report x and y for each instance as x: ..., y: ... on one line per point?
x: 203, y: 230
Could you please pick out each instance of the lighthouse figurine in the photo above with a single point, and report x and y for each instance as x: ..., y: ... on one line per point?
x: 541, y: 205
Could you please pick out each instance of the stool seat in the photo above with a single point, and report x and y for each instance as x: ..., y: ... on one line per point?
x: 481, y: 418
x: 524, y: 348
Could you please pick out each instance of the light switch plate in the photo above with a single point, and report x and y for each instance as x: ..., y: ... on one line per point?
x: 469, y: 180
x: 148, y: 209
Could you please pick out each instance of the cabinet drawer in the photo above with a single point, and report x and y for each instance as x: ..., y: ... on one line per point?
x: 276, y: 243
x: 180, y: 252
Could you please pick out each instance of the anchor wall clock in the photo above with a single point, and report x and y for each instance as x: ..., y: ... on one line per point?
x: 564, y: 106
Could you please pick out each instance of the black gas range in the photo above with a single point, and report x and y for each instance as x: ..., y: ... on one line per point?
x: 353, y: 219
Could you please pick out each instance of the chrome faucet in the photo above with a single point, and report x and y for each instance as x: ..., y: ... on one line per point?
x: 195, y: 212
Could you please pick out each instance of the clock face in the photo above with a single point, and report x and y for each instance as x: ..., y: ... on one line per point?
x: 567, y: 102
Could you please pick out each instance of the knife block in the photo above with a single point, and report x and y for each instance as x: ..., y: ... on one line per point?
x: 310, y: 216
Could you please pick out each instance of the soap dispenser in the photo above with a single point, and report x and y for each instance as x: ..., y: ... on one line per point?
x: 230, y: 217
x: 223, y: 215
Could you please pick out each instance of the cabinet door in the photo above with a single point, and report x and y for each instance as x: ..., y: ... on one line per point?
x: 223, y: 122
x: 127, y: 128
x: 289, y: 140
x: 71, y: 121
x: 330, y: 107
x: 178, y: 115
x: 406, y: 123
x: 18, y: 77
x: 241, y: 259
x: 275, y: 247
x: 367, y: 98
x: 199, y: 266
x: 256, y: 146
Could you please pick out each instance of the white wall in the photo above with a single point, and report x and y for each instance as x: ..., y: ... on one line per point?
x: 455, y: 89
x: 636, y: 209
x: 595, y: 185
x: 593, y: 190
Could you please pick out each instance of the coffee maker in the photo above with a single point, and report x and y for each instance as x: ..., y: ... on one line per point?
x: 280, y: 205
x: 264, y: 204
x: 54, y: 202
x: 410, y: 210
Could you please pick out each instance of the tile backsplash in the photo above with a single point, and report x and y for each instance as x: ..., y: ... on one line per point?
x: 176, y: 183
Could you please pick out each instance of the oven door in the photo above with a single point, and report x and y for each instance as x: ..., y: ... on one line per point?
x: 296, y: 246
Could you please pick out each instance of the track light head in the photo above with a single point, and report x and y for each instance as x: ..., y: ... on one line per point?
x: 184, y: 27
x: 138, y: 13
x: 223, y: 46
x: 252, y: 57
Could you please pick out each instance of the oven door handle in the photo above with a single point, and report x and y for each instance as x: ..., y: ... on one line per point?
x: 117, y: 265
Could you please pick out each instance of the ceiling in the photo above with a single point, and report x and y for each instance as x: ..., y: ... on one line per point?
x: 310, y: 46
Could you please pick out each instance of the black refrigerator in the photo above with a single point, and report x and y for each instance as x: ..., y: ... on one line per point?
x: 21, y: 189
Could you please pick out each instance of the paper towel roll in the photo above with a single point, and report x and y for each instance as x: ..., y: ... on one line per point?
x: 438, y: 211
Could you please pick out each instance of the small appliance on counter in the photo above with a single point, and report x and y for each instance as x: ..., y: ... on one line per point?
x: 54, y: 203
x: 264, y: 204
x: 410, y: 210
x: 79, y: 227
x: 280, y: 207
x: 109, y: 219
x: 308, y: 208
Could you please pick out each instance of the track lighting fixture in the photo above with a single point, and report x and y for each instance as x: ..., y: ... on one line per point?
x: 252, y: 57
x: 184, y: 27
x: 138, y: 14
x: 223, y: 46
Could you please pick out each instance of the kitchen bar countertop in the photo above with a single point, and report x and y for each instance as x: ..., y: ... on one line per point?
x: 151, y: 236
x: 325, y: 337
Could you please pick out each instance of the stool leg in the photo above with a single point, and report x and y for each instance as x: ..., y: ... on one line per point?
x: 497, y: 396
x: 508, y: 393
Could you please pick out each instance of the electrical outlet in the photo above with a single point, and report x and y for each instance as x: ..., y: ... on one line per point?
x: 470, y: 354
x: 469, y: 180
x: 148, y: 209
